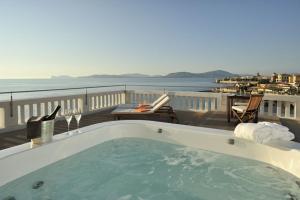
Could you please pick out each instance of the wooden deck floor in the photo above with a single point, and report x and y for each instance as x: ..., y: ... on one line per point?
x: 209, y: 119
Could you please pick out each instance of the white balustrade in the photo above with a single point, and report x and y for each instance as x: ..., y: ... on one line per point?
x: 284, y: 106
x: 23, y: 109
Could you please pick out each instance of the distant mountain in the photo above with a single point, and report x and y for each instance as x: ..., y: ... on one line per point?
x: 210, y: 74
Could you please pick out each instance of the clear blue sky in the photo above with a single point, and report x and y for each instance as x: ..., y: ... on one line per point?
x: 40, y: 38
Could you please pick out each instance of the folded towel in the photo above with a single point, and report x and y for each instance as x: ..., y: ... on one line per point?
x: 255, y: 132
x: 263, y: 132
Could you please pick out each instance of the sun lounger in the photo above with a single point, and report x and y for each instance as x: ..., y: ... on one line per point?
x: 159, y: 107
x: 149, y: 106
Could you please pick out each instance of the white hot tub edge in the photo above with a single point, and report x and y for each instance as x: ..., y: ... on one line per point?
x: 21, y: 160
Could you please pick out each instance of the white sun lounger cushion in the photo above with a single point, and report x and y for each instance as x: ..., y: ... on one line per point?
x: 158, y: 100
x: 160, y: 104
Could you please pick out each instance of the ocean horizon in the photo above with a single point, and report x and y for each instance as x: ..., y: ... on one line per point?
x: 149, y: 83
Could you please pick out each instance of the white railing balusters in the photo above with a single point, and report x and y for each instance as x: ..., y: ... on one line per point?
x: 287, y: 106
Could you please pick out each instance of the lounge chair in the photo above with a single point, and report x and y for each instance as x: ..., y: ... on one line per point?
x: 149, y: 106
x: 158, y: 109
x: 154, y: 103
x: 248, y: 112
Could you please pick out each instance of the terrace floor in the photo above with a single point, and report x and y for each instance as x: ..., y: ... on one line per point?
x: 210, y: 119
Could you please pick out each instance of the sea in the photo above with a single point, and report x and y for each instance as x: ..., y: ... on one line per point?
x: 18, y: 87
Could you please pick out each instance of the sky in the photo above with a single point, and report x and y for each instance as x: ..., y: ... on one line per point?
x: 41, y: 38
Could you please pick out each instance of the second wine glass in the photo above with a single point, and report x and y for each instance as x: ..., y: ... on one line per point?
x: 77, y: 115
x: 68, y: 117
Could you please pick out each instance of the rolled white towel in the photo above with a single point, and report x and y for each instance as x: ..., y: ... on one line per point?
x: 256, y: 132
x: 263, y: 132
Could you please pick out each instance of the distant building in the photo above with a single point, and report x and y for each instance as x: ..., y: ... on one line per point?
x: 294, y: 79
x: 274, y: 78
x: 283, y: 78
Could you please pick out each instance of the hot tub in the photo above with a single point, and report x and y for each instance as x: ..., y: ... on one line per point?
x: 150, y: 160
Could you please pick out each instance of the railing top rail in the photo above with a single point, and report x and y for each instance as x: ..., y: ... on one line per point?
x: 105, y: 86
x: 27, y: 100
x: 170, y: 86
x: 60, y: 89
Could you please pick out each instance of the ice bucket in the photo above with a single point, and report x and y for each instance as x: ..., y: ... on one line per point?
x: 47, y: 129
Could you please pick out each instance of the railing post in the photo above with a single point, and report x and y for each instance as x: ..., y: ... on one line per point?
x: 86, y: 97
x: 11, y: 105
x: 86, y: 102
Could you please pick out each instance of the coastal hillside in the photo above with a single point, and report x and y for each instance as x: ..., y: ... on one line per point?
x: 209, y: 74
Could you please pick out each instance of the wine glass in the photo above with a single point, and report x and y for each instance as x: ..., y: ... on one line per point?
x: 68, y: 117
x: 77, y: 115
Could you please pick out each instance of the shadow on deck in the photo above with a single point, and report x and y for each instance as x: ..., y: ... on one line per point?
x: 216, y: 120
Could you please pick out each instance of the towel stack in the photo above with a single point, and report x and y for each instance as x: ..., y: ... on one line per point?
x: 263, y: 132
